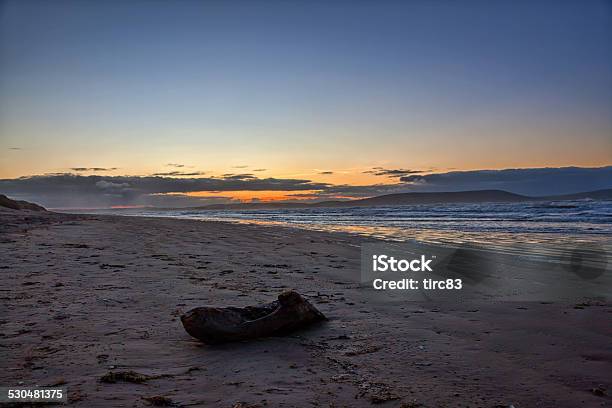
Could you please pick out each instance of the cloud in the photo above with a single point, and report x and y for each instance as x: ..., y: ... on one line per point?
x: 244, y: 166
x: 94, y: 169
x: 535, y: 182
x: 94, y: 191
x: 108, y: 185
x: 326, y: 172
x: 68, y: 190
x: 260, y: 170
x: 15, y: 148
x: 175, y: 165
x: 392, y: 173
x: 232, y: 176
x: 178, y: 173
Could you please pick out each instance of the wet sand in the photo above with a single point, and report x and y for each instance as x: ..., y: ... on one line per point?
x: 83, y: 296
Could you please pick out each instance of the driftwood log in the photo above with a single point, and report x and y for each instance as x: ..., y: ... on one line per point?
x: 214, y: 325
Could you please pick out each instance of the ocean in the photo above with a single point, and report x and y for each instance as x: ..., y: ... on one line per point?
x: 550, y: 230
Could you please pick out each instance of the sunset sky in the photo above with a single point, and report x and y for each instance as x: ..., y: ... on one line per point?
x: 333, y: 93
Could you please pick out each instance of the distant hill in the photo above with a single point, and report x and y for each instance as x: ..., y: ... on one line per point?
x: 479, y: 196
x: 19, y: 205
x: 593, y: 195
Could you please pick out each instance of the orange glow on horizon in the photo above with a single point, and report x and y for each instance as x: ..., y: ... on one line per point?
x: 262, y: 196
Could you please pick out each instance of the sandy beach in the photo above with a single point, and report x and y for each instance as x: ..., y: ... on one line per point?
x: 84, y: 296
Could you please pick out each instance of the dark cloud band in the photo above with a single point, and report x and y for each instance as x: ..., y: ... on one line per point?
x: 73, y: 190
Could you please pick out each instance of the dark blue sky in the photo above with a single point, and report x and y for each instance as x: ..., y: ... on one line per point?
x: 303, y: 88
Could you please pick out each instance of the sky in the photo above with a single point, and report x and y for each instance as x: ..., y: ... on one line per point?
x: 308, y: 95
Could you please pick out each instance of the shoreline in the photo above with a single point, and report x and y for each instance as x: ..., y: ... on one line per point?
x: 85, y: 295
x: 540, y: 245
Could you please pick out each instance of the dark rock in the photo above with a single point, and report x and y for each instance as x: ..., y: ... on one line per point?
x: 124, y: 376
x: 160, y: 401
x: 213, y: 325
x: 18, y: 205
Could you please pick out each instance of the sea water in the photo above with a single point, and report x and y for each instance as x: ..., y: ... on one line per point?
x: 546, y: 229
